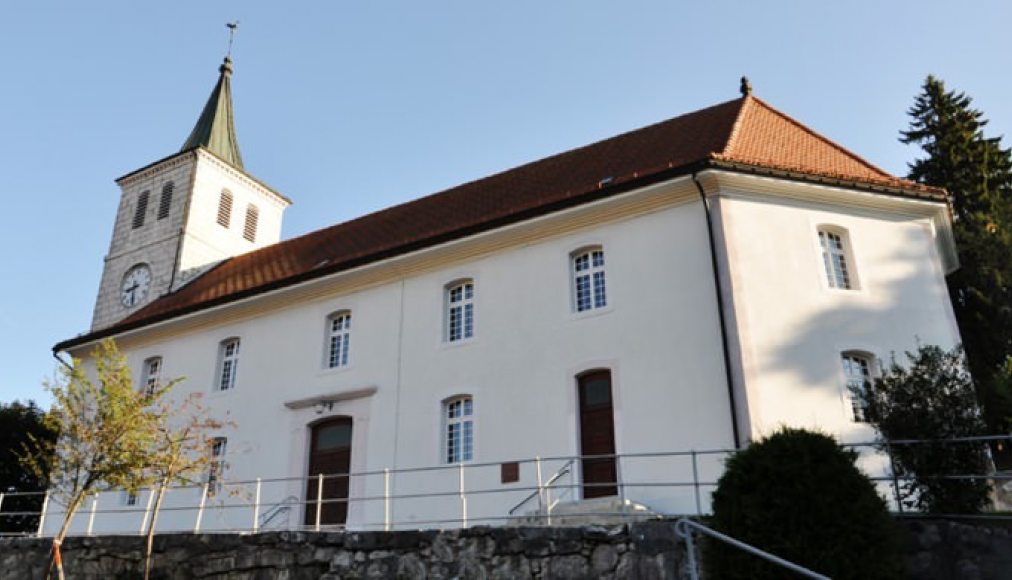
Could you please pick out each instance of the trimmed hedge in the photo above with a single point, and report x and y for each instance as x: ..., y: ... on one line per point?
x: 797, y: 494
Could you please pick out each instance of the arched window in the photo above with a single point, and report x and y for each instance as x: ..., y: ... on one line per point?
x: 142, y: 209
x: 836, y: 257
x: 228, y: 363
x: 458, y: 429
x: 151, y: 375
x: 165, y: 203
x: 460, y: 310
x: 858, y: 372
x: 589, y: 290
x: 249, y: 230
x: 338, y: 338
x: 225, y: 208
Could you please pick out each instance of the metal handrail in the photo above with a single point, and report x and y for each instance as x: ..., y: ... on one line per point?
x: 277, y: 509
x: 685, y: 527
x: 548, y: 484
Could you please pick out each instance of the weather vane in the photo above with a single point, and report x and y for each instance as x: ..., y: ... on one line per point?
x: 232, y: 26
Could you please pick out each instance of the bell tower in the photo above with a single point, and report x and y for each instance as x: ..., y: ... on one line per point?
x: 182, y: 215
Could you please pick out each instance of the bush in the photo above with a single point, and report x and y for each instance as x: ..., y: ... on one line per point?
x: 798, y: 495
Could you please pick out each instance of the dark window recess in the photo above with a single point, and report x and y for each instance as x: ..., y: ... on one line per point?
x: 142, y: 209
x: 165, y: 203
x: 249, y: 230
x: 510, y: 472
x: 225, y: 208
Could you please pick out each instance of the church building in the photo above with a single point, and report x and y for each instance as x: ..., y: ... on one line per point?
x: 679, y: 289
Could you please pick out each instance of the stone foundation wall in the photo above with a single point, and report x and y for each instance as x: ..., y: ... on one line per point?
x: 642, y: 550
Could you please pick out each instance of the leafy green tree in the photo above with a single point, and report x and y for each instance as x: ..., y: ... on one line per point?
x: 106, y: 434
x: 977, y: 173
x: 932, y: 399
x: 20, y: 424
x: 798, y: 495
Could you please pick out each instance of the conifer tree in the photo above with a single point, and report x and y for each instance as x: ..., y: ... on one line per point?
x: 977, y: 173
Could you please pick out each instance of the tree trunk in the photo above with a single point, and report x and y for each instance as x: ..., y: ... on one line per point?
x: 68, y: 518
x: 162, y: 485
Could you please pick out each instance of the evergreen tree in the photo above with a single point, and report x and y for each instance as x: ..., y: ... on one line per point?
x: 977, y: 173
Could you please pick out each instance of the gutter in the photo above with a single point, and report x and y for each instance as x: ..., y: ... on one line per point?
x: 66, y: 365
x: 720, y: 313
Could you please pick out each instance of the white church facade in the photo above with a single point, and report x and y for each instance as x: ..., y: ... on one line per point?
x: 690, y: 285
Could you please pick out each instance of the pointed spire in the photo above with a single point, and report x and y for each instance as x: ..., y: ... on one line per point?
x: 215, y: 129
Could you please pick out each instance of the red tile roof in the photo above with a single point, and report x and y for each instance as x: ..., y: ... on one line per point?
x: 745, y: 133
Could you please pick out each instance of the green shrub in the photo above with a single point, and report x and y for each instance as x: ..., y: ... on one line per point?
x: 798, y: 495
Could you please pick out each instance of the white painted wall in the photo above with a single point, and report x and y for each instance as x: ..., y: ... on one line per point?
x: 659, y: 336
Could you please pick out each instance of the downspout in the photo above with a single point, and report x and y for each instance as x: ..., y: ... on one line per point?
x: 720, y: 313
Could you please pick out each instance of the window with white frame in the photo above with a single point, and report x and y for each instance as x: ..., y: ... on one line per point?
x: 228, y: 363
x: 460, y: 310
x: 151, y: 374
x: 338, y: 338
x: 836, y: 258
x: 857, y: 369
x: 588, y: 280
x: 458, y: 420
x: 216, y: 465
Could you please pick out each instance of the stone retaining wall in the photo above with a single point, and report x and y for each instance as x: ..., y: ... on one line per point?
x: 642, y: 550
x: 968, y: 549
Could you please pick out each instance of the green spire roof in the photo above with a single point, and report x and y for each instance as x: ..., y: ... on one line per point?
x: 215, y: 129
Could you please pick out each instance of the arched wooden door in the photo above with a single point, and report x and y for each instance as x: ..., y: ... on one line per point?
x: 329, y: 454
x: 597, y: 434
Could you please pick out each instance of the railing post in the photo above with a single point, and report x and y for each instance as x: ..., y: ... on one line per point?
x: 892, y: 473
x: 200, y: 509
x: 319, y: 500
x: 1, y: 501
x: 463, y: 498
x: 256, y: 509
x: 541, y: 485
x: 42, y: 514
x: 695, y: 483
x: 91, y: 516
x: 386, y: 499
x: 618, y: 479
x: 147, y: 511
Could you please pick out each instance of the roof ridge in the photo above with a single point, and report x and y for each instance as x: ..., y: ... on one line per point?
x: 822, y: 138
x: 732, y: 138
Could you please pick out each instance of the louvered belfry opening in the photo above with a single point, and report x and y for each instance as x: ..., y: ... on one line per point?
x: 142, y: 209
x: 165, y: 203
x: 225, y: 208
x: 249, y: 230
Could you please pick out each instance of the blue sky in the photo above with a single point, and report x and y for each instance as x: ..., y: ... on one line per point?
x: 348, y: 107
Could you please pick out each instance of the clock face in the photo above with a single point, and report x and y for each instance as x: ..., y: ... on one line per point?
x: 135, y: 286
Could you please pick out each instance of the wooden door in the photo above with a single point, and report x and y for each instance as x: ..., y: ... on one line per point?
x: 329, y: 454
x: 597, y: 434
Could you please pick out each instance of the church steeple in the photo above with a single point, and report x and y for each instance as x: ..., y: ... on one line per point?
x: 215, y: 129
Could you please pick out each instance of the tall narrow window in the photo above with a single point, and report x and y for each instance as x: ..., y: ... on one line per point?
x: 225, y: 208
x: 216, y: 465
x: 588, y: 280
x: 460, y: 311
x: 857, y: 368
x: 165, y: 203
x: 142, y: 209
x: 228, y: 363
x: 338, y: 339
x: 249, y: 230
x: 152, y: 374
x: 836, y: 260
x: 459, y: 422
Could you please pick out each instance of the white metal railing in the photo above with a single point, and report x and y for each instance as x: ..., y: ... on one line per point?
x: 672, y: 483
